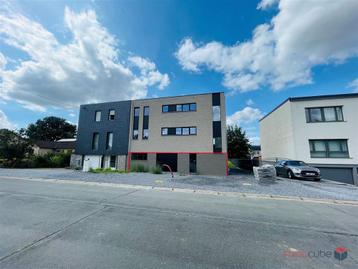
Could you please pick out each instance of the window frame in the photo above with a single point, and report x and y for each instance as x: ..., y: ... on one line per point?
x: 172, y: 108
x: 94, y: 135
x: 323, y: 116
x: 109, y: 146
x: 327, y: 152
x: 173, y: 131
x: 109, y: 114
x: 99, y: 112
x: 139, y: 156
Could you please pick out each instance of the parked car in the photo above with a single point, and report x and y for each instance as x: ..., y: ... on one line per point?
x: 297, y: 169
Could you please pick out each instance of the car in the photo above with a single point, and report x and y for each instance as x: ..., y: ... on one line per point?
x: 297, y: 169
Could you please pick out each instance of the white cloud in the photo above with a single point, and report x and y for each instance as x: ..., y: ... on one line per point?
x: 4, y: 122
x: 303, y: 34
x: 89, y: 68
x: 264, y: 4
x: 149, y: 74
x: 254, y: 140
x: 354, y: 85
x: 245, y: 116
x: 249, y: 102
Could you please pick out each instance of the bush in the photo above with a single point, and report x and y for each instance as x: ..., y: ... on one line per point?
x: 49, y: 160
x: 106, y: 170
x: 140, y: 168
x: 230, y: 165
x: 157, y: 170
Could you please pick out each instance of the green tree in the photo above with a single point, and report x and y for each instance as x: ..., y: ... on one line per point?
x: 50, y: 129
x: 12, y: 145
x: 238, y: 144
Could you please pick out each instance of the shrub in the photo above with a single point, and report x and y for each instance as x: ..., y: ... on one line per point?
x: 105, y: 170
x: 157, y: 170
x: 231, y: 165
x: 140, y: 168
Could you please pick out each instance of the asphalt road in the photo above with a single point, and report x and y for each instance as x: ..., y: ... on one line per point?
x: 62, y: 225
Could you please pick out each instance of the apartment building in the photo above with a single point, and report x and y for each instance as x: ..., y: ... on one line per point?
x: 320, y: 130
x: 186, y: 133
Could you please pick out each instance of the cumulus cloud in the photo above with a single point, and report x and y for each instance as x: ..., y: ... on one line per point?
x: 249, y: 102
x: 4, y: 122
x: 254, y: 140
x: 354, y: 85
x: 264, y: 4
x: 282, y: 53
x: 244, y: 116
x: 88, y: 68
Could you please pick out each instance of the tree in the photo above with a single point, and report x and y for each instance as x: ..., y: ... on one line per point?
x: 238, y: 144
x: 12, y: 145
x: 50, y: 129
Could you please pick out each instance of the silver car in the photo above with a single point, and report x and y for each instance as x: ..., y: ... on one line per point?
x: 297, y: 169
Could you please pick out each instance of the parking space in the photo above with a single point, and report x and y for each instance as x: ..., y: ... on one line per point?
x: 243, y: 183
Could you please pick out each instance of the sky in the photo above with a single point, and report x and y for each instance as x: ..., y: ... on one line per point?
x: 56, y: 55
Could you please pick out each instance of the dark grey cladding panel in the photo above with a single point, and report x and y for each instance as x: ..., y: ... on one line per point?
x: 119, y: 126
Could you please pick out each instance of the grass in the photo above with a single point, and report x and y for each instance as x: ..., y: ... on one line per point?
x: 156, y: 170
x: 139, y: 168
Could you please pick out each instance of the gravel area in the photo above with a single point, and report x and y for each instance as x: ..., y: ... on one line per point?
x: 235, y: 183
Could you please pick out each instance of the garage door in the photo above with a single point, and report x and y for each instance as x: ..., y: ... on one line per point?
x: 344, y: 175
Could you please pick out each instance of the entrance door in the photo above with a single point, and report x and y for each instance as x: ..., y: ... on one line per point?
x: 192, y: 163
x: 170, y: 159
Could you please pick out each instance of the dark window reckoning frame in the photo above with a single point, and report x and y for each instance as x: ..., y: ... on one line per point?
x: 321, y: 108
x: 192, y: 107
x: 327, y: 152
x: 172, y: 131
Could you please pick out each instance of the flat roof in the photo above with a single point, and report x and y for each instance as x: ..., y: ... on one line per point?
x: 155, y: 98
x: 312, y: 98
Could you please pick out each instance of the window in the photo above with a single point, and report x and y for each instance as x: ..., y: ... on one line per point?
x: 193, y: 130
x: 135, y: 123
x: 111, y: 114
x: 109, y: 143
x: 179, y: 131
x: 186, y: 131
x: 95, y: 141
x: 217, y: 147
x: 216, y: 113
x: 324, y: 114
x: 164, y: 131
x: 337, y: 148
x: 98, y: 115
x: 145, y: 133
x: 179, y: 108
x: 139, y: 156
x: 146, y: 111
x: 112, y: 161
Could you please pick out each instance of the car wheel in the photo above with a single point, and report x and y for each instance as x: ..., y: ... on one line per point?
x: 290, y: 174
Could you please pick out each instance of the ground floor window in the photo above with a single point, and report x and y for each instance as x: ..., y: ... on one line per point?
x: 112, y: 161
x: 329, y: 148
x: 139, y: 156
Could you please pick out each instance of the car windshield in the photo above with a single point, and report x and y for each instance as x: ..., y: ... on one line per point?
x: 295, y: 163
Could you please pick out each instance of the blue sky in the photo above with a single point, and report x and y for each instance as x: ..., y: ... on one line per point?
x: 57, y: 55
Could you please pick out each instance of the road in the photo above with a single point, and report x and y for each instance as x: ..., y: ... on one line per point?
x: 62, y: 225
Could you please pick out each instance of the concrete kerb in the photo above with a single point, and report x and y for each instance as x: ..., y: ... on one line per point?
x: 192, y: 191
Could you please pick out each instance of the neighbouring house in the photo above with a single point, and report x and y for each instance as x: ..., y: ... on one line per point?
x: 187, y: 133
x: 63, y: 145
x: 320, y: 130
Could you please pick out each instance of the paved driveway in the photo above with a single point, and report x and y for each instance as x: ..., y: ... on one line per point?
x: 239, y: 183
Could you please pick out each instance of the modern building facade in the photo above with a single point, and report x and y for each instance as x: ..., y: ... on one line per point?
x: 320, y: 130
x: 186, y: 133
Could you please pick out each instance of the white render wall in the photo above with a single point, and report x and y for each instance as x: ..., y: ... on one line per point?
x: 348, y: 129
x: 276, y: 134
x: 285, y: 132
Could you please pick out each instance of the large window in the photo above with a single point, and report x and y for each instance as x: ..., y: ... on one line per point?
x: 145, y: 134
x: 135, y: 123
x: 179, y: 108
x: 337, y: 148
x: 324, y: 114
x: 111, y: 114
x: 216, y: 113
x: 95, y: 141
x: 179, y: 131
x: 109, y: 143
x: 97, y: 116
x: 112, y: 161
